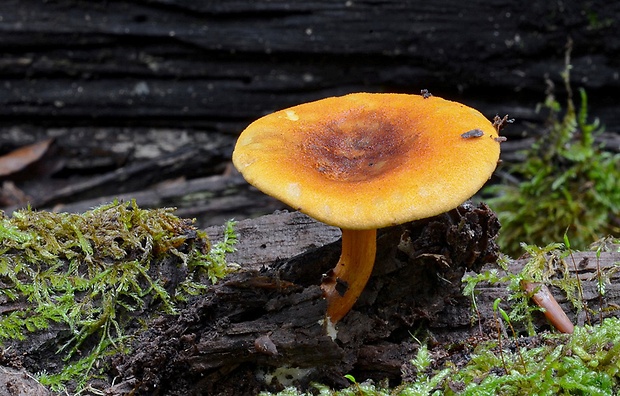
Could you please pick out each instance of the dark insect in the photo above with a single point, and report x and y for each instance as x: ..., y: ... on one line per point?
x: 425, y: 94
x: 474, y: 133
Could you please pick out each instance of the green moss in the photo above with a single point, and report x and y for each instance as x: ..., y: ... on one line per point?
x: 595, y: 22
x: 568, y: 183
x: 586, y: 362
x: 546, y: 265
x: 581, y: 363
x: 90, y: 273
x: 550, y: 265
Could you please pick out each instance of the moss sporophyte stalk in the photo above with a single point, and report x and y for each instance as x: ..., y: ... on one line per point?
x: 89, y: 276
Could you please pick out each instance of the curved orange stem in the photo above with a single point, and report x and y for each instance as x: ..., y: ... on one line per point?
x: 347, y: 280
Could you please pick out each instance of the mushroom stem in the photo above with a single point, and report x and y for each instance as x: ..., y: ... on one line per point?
x: 345, y: 282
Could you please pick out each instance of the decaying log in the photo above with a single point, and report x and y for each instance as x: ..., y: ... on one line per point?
x: 16, y: 382
x: 217, y: 65
x: 272, y: 315
x: 263, y: 326
x: 208, y: 200
x: 266, y: 321
x: 125, y: 86
x: 259, y: 249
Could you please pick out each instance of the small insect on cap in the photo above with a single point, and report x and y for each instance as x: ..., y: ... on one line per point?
x: 365, y: 161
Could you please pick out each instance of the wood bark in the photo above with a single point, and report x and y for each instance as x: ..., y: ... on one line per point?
x: 125, y: 87
x: 263, y: 326
x: 145, y: 99
x: 217, y: 65
x: 267, y: 321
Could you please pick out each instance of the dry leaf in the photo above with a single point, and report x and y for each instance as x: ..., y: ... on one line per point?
x: 18, y: 160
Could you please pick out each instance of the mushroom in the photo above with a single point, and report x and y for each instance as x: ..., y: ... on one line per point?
x: 365, y: 161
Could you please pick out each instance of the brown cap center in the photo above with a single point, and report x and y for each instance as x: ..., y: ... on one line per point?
x: 358, y: 147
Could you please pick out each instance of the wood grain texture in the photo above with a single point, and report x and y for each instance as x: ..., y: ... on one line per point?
x: 270, y: 313
x: 124, y: 86
x: 220, y: 64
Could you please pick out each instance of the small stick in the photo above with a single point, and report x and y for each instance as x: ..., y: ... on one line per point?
x: 541, y: 295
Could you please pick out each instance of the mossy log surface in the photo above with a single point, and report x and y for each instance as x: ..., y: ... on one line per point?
x: 270, y: 314
x: 145, y: 99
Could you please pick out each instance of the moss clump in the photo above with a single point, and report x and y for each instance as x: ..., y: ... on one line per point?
x: 586, y: 362
x: 90, y: 274
x: 546, y: 265
x: 567, y: 183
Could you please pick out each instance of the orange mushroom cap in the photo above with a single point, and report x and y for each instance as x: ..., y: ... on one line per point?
x: 365, y: 161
